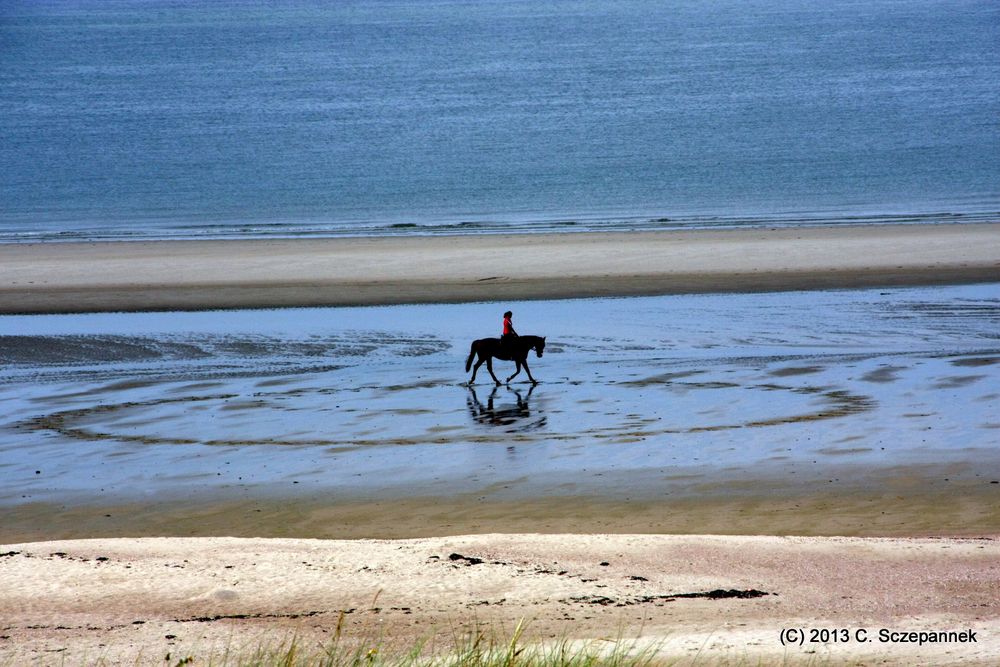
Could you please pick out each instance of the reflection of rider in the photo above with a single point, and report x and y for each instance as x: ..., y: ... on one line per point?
x: 508, y: 335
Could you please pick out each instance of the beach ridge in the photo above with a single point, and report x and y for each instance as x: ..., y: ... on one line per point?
x: 724, y: 596
x: 193, y: 275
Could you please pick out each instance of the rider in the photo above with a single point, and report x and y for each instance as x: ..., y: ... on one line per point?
x: 508, y: 335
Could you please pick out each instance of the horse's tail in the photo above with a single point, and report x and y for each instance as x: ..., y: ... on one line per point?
x: 472, y: 353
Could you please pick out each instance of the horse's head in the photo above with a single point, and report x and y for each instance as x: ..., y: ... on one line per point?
x: 540, y: 346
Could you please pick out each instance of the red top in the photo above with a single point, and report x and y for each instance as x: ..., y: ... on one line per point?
x: 507, y: 327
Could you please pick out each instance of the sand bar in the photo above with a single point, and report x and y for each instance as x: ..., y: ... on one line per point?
x: 76, y: 601
x: 164, y: 275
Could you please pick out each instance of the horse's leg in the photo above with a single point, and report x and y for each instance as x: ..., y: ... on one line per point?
x: 533, y: 380
x: 475, y: 369
x: 489, y: 367
x: 515, y: 372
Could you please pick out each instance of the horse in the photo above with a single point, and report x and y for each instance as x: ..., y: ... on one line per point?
x: 515, y: 350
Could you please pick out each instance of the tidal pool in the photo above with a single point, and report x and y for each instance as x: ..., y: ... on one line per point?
x: 693, y: 397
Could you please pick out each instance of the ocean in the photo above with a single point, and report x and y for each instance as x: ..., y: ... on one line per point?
x: 142, y: 119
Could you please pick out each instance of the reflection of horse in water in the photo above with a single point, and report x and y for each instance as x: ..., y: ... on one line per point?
x: 516, y: 350
x: 505, y: 414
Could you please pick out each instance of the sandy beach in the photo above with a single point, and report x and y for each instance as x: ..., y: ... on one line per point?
x: 86, y: 277
x: 181, y: 440
x: 868, y: 413
x: 700, y: 599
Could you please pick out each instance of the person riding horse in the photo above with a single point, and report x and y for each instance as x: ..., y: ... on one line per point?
x: 508, y: 331
x: 509, y: 347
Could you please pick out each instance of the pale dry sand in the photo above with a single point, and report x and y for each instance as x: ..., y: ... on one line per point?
x: 73, y: 602
x: 80, y: 277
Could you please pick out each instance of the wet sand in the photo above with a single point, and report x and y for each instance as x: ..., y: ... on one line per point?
x: 867, y: 412
x: 902, y: 503
x: 697, y: 599
x: 164, y: 275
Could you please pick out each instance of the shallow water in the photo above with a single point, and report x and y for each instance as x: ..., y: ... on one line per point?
x: 158, y: 118
x: 685, y: 396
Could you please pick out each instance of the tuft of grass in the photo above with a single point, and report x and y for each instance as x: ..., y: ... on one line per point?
x: 475, y: 648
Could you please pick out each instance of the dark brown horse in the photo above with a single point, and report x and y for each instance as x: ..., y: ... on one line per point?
x: 515, y: 350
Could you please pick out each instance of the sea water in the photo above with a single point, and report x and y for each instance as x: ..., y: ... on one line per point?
x: 167, y: 118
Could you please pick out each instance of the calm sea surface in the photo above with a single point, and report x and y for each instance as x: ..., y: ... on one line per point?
x: 151, y: 118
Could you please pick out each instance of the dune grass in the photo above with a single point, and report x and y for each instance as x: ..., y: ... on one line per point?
x: 477, y: 648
